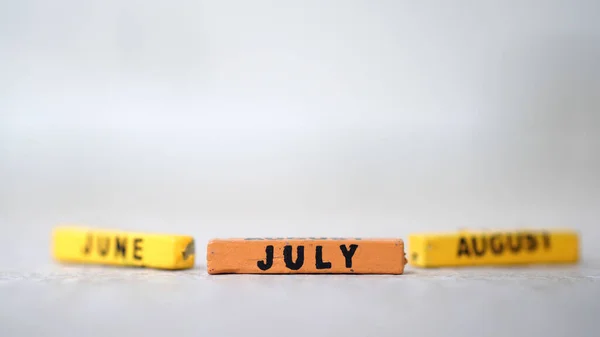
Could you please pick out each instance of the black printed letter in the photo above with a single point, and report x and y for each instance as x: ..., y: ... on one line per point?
x: 103, y: 245
x: 546, y: 237
x: 287, y: 257
x: 463, y: 247
x: 348, y: 254
x: 496, y: 244
x: 88, y: 245
x: 483, y: 246
x: 516, y: 237
x: 137, y: 248
x: 121, y: 244
x: 268, y: 262
x: 531, y: 242
x: 319, y: 258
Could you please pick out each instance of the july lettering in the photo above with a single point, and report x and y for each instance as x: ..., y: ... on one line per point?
x: 295, y: 264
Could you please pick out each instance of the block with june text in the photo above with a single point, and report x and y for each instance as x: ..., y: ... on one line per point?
x: 122, y: 248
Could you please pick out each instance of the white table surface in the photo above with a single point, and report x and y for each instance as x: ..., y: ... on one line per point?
x: 56, y: 300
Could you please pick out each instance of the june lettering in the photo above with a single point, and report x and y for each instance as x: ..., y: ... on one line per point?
x: 117, y: 246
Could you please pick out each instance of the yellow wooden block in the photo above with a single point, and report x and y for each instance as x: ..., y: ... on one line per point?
x: 479, y: 248
x: 109, y: 247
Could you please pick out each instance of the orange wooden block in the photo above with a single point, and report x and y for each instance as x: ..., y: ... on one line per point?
x: 305, y: 256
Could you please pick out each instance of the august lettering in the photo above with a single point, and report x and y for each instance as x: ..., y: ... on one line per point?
x: 501, y: 243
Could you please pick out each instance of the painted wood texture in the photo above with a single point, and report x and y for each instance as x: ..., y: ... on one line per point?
x: 480, y: 248
x: 305, y: 256
x: 119, y: 248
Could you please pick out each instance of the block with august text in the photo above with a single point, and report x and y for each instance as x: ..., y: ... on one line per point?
x: 305, y: 256
x: 480, y: 248
x: 121, y: 248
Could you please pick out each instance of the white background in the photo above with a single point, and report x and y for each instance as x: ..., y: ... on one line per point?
x: 251, y: 118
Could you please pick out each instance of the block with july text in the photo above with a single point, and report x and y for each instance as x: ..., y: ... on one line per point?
x: 305, y: 256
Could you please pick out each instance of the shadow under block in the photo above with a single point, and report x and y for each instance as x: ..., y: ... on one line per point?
x: 305, y: 256
x: 118, y: 248
x: 488, y: 248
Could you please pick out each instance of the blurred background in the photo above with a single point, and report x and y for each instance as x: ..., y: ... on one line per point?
x: 251, y: 118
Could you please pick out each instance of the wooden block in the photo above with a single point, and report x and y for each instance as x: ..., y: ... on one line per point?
x: 480, y: 248
x: 305, y: 256
x: 108, y: 247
